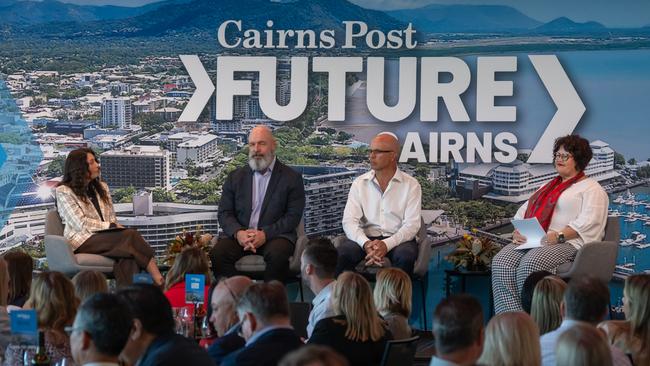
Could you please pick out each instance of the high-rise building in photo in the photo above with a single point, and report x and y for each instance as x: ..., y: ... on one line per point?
x: 136, y: 166
x: 116, y: 112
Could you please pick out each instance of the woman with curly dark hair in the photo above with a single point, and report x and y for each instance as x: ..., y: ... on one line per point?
x: 571, y: 208
x: 84, y: 204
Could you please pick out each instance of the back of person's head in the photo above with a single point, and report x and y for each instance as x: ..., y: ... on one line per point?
x: 266, y: 301
x: 52, y: 296
x: 21, y: 266
x: 637, y: 304
x: 511, y: 339
x: 528, y: 288
x: 88, y: 283
x: 150, y: 306
x: 322, y: 255
x: 4, y: 283
x: 457, y: 323
x: 313, y: 355
x: 107, y: 320
x: 352, y: 298
x: 192, y: 260
x: 582, y: 345
x: 393, y: 292
x: 547, y: 298
x: 586, y: 299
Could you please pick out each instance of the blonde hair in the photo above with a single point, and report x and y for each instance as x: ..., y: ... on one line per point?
x: 511, y: 339
x: 582, y: 345
x: 4, y: 282
x: 393, y: 292
x: 545, y: 306
x: 352, y: 297
x: 637, y: 294
x: 191, y: 260
x: 52, y: 296
x: 88, y: 283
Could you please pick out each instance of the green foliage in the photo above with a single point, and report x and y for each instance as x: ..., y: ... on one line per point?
x: 204, y: 193
x: 150, y: 122
x: 13, y: 138
x: 163, y: 195
x: 619, y: 159
x: 643, y: 172
x: 632, y: 161
x: 55, y: 168
x: 123, y: 195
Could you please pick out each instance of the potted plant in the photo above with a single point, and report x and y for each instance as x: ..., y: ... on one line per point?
x: 185, y: 240
x: 473, y: 253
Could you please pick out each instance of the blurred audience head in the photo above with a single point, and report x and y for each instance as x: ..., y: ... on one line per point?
x: 318, y: 261
x: 547, y: 299
x: 583, y: 345
x: 88, y: 283
x: 314, y: 355
x: 458, y: 329
x: 224, y: 301
x: 21, y: 266
x: 352, y: 297
x: 262, y: 305
x: 529, y: 288
x: 191, y: 260
x: 636, y: 305
x: 393, y: 292
x: 52, y: 296
x: 101, y: 329
x: 586, y: 299
x: 511, y: 339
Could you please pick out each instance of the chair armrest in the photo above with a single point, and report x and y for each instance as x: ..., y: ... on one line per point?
x: 595, y: 259
x: 421, y: 265
x: 60, y: 256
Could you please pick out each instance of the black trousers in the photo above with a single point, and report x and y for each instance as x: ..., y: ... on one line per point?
x: 402, y: 256
x: 127, y: 247
x: 276, y: 253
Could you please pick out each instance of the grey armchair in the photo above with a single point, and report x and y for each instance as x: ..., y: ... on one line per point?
x: 60, y: 256
x: 596, y: 259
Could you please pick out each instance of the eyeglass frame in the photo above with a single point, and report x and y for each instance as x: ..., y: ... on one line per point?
x: 562, y: 156
x: 377, y: 151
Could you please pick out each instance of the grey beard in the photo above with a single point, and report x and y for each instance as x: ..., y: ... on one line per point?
x: 260, y: 164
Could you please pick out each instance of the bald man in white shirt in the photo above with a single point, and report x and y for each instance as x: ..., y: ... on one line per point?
x: 382, y: 215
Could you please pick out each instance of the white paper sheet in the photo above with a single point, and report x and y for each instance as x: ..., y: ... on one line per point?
x: 532, y: 230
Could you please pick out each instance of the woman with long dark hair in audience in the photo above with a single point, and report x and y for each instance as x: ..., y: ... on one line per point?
x: 632, y: 335
x: 84, y: 204
x: 511, y: 339
x: 192, y: 260
x: 52, y: 296
x: 392, y: 295
x: 20, y: 266
x: 545, y: 308
x: 357, y: 332
x: 572, y: 210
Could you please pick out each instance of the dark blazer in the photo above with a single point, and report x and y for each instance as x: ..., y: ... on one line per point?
x: 173, y: 350
x: 331, y: 332
x: 268, y: 350
x: 282, y: 208
x: 224, y: 346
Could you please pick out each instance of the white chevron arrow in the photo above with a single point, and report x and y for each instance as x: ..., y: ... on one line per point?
x: 203, y: 92
x: 569, y: 106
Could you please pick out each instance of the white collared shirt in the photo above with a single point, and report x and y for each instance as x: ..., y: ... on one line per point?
x: 322, y: 307
x: 394, y: 213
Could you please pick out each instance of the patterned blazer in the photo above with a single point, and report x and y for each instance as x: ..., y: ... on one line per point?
x: 80, y: 218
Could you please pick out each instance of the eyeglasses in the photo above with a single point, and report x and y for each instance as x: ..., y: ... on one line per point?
x: 562, y: 156
x: 230, y: 291
x: 375, y: 152
x: 69, y: 330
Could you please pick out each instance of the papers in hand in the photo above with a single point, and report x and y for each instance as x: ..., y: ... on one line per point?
x: 532, y: 230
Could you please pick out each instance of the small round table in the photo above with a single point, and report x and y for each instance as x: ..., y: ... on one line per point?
x: 463, y: 274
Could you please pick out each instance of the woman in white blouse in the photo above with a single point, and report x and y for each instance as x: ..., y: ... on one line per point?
x: 572, y: 209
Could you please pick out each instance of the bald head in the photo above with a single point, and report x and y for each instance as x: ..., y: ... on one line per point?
x: 261, y: 148
x: 237, y: 284
x: 384, y: 150
x: 261, y: 132
x: 387, y: 140
x: 224, y: 302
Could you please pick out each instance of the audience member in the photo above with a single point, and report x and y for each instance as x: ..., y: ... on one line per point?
x: 357, y: 332
x: 100, y: 330
x: 21, y: 266
x: 313, y: 355
x: 458, y: 331
x: 632, y: 335
x: 585, y: 300
x: 392, y: 295
x: 382, y: 214
x: 192, y: 260
x: 511, y: 339
x: 260, y: 209
x: 265, y: 324
x: 224, y: 316
x: 583, y: 345
x: 5, y: 331
x: 529, y: 287
x: 318, y: 270
x: 547, y: 298
x: 152, y: 340
x: 52, y: 296
x: 88, y: 283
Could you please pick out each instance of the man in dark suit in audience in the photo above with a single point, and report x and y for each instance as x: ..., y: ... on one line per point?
x: 261, y: 207
x: 224, y: 316
x: 153, y: 340
x: 265, y: 324
x: 458, y: 331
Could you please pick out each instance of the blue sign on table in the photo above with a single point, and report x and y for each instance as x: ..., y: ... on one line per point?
x: 194, y: 288
x: 143, y: 278
x: 24, y: 324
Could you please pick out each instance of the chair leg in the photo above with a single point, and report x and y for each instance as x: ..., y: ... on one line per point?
x: 423, y: 288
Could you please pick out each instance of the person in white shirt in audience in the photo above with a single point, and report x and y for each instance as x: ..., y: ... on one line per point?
x: 318, y: 269
x: 585, y: 301
x: 382, y: 214
x: 458, y: 331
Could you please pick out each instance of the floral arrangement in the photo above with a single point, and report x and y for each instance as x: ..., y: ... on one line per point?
x: 187, y: 239
x: 473, y: 253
